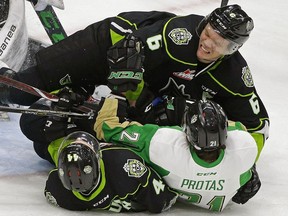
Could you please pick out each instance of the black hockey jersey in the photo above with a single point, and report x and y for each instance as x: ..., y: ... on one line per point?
x: 171, y: 65
x: 126, y: 185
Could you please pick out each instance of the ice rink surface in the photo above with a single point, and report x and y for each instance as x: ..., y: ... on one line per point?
x: 23, y: 174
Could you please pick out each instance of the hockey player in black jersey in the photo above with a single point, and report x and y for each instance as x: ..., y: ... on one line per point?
x: 192, y: 56
x: 90, y: 175
x: 109, y: 178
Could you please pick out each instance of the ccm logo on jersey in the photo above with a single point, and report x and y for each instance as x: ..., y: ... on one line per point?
x: 7, y: 39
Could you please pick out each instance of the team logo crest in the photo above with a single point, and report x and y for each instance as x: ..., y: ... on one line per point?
x: 134, y: 168
x: 247, y: 77
x: 180, y: 36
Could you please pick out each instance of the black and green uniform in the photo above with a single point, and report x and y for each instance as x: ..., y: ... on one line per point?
x: 126, y: 185
x: 171, y: 65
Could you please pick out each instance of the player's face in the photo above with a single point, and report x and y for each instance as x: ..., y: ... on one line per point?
x: 211, y: 45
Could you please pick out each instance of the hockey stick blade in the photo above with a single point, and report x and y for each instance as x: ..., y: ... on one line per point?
x: 37, y: 92
x: 41, y: 112
x: 51, y: 23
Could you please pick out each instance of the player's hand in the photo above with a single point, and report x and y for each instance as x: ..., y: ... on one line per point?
x: 68, y: 99
x: 125, y: 60
x: 248, y: 190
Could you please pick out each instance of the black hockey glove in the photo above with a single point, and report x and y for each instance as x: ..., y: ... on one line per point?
x: 56, y: 126
x: 170, y: 112
x: 68, y: 99
x: 248, y: 190
x: 163, y: 111
x: 125, y: 61
x: 121, y: 108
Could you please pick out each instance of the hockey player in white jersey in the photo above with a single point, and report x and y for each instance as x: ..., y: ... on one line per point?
x: 206, y: 161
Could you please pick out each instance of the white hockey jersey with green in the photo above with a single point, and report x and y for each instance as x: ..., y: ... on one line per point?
x: 207, y: 185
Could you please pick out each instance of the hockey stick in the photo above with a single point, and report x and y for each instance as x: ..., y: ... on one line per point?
x: 2, y: 23
x: 41, y: 112
x: 50, y: 22
x: 37, y: 92
x: 224, y: 3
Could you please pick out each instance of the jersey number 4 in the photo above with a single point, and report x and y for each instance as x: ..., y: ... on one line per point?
x: 158, y: 186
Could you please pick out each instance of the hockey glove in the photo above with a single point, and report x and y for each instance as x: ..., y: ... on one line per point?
x: 68, y: 99
x: 60, y: 126
x: 121, y: 108
x: 125, y: 61
x: 248, y: 190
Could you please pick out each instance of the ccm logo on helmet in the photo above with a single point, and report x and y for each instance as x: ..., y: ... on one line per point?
x: 221, y: 24
x: 7, y: 39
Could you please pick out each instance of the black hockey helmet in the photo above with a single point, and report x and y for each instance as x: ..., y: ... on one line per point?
x: 205, y: 125
x: 231, y: 22
x: 78, y: 162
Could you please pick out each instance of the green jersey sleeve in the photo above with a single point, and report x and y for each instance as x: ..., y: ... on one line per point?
x: 129, y: 133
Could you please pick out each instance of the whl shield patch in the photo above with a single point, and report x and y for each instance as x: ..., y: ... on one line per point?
x: 180, y: 36
x: 134, y: 168
x: 247, y: 77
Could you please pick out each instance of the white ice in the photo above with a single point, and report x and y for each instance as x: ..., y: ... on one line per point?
x: 23, y: 174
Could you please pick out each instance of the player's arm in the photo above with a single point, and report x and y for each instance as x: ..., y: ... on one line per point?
x: 249, y: 189
x: 240, y: 99
x: 111, y: 126
x: 252, y: 114
x: 57, y: 195
x: 155, y: 195
x: 56, y: 128
x: 125, y: 60
x: 133, y: 53
x: 249, y: 180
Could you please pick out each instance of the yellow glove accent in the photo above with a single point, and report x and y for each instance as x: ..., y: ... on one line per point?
x: 133, y: 95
